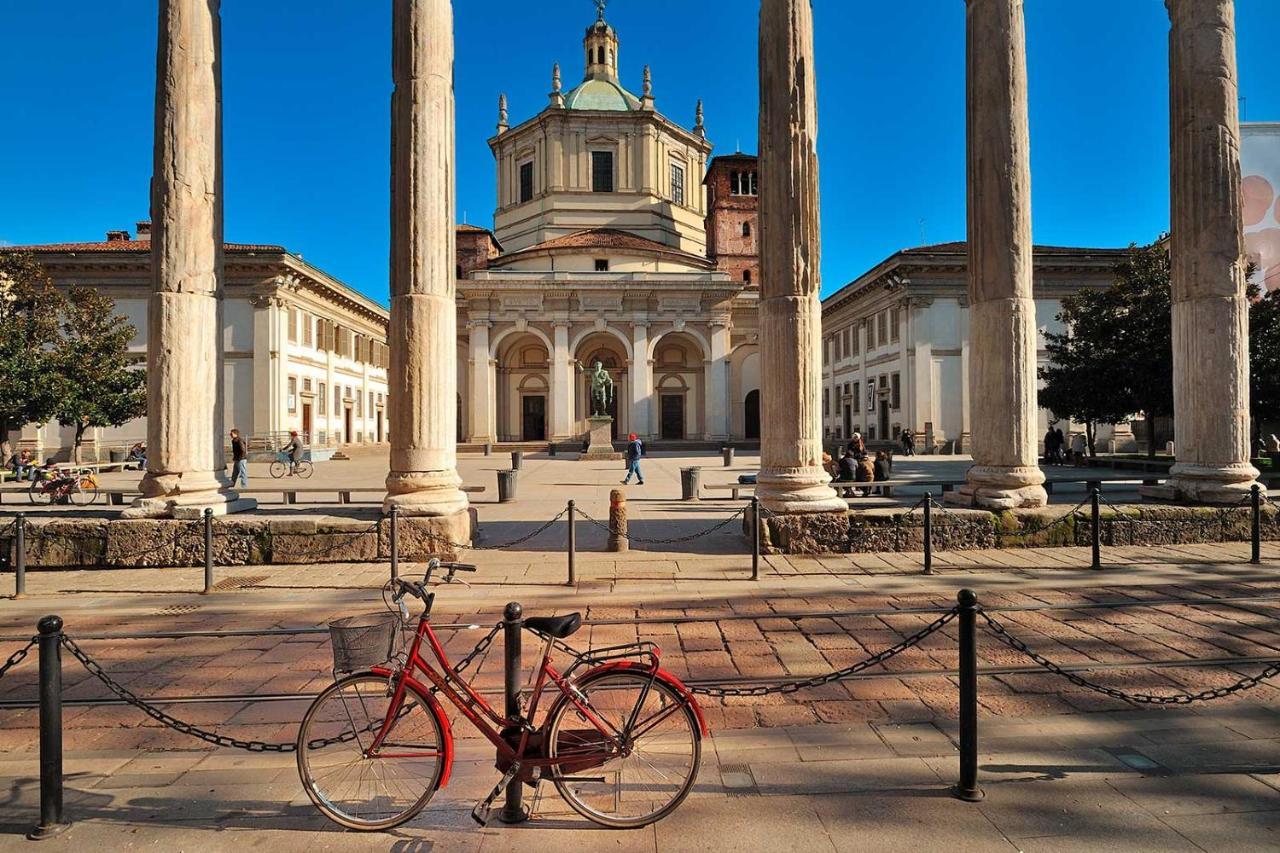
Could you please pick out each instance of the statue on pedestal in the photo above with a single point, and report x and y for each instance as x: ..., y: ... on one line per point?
x: 601, y: 391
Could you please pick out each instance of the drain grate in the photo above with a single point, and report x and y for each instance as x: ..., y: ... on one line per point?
x: 737, y: 778
x: 239, y: 583
x: 177, y: 610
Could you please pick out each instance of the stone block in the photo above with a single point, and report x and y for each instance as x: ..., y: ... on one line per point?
x: 807, y: 533
x: 422, y: 537
x: 65, y: 544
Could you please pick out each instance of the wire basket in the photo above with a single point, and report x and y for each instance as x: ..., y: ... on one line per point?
x: 360, y: 642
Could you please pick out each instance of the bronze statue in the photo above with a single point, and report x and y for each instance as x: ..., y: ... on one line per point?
x: 601, y: 391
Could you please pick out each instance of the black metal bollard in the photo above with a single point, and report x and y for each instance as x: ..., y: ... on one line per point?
x: 1255, y: 534
x: 513, y: 810
x: 573, y: 544
x: 1095, y: 526
x: 928, y: 533
x: 52, y: 821
x: 208, y: 552
x: 395, y: 541
x: 20, y: 556
x: 967, y: 788
x: 755, y: 538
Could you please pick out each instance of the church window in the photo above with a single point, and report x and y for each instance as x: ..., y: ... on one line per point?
x: 526, y: 182
x: 293, y: 394
x: 677, y: 184
x: 602, y: 264
x: 895, y: 394
x: 856, y: 396
x: 746, y: 229
x: 600, y: 55
x: 895, y: 321
x: 322, y: 400
x: 602, y: 171
x: 742, y: 183
x: 746, y: 276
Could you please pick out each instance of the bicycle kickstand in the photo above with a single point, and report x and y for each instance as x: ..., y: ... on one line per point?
x: 480, y: 814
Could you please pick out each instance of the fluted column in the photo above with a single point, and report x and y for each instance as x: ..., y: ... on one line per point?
x: 791, y: 476
x: 185, y: 471
x: 1210, y: 312
x: 1002, y: 341
x: 423, y: 377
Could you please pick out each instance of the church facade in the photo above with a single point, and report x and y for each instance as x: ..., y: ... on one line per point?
x: 616, y: 240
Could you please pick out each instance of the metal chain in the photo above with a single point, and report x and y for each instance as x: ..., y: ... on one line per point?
x: 1035, y: 531
x: 1137, y: 698
x: 17, y: 657
x: 817, y: 681
x: 669, y: 541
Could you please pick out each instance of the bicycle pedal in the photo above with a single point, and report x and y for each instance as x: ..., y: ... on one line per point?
x: 480, y: 814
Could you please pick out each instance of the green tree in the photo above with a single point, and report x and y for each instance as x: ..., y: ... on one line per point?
x: 1264, y: 361
x: 29, y: 312
x: 1115, y: 356
x: 99, y: 382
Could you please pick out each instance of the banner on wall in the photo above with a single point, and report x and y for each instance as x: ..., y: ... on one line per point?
x: 1260, y: 196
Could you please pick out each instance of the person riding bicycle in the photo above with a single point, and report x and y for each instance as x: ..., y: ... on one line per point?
x: 293, y: 450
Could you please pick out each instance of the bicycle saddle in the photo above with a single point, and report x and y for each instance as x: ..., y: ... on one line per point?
x: 556, y: 626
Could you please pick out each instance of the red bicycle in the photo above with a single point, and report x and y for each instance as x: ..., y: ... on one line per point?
x: 621, y: 740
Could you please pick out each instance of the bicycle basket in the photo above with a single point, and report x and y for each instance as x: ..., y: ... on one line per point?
x: 363, y: 641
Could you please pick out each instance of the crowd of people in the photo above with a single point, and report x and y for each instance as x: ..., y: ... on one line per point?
x: 858, y: 465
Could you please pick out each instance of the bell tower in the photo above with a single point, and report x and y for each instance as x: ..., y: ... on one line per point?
x: 601, y: 48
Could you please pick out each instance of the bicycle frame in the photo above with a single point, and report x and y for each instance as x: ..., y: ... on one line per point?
x: 488, y: 721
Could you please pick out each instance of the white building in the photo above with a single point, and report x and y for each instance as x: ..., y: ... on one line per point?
x: 896, y: 343
x: 301, y: 350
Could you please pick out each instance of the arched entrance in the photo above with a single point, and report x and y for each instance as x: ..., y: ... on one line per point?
x: 523, y: 383
x: 608, y: 350
x: 751, y: 415
x: 679, y: 376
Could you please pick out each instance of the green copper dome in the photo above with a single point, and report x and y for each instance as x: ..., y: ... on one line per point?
x: 601, y: 94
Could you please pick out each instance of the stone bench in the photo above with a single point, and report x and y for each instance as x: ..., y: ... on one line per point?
x: 735, y: 489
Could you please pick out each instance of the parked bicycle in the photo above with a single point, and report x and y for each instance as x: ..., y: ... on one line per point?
x: 62, y: 487
x: 283, y: 466
x: 621, y: 739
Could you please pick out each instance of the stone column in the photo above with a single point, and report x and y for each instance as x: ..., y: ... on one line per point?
x: 1002, y: 363
x: 562, y: 385
x: 1210, y: 312
x: 641, y: 381
x: 422, y: 380
x: 482, y: 390
x: 791, y: 477
x: 185, y: 437
x: 716, y: 374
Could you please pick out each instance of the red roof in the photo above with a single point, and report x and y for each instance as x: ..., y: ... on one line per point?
x: 608, y: 238
x: 138, y: 246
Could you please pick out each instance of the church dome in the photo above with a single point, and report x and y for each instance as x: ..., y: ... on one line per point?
x: 601, y: 94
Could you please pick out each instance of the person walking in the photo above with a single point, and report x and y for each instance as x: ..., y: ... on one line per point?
x: 239, y: 460
x: 635, y: 449
x: 908, y: 443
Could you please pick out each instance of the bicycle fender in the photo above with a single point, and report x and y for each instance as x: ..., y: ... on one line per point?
x: 434, y: 706
x: 663, y: 676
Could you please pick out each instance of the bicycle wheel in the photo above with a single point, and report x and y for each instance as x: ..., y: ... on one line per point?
x: 304, y: 469
x: 38, y: 494
x: 279, y: 469
x: 345, y: 783
x: 82, y: 492
x: 657, y: 767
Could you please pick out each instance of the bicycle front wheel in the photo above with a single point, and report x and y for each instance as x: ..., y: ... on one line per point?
x: 38, y: 494
x: 351, y: 784
x: 304, y: 469
x: 83, y: 492
x: 656, y: 768
x: 279, y: 469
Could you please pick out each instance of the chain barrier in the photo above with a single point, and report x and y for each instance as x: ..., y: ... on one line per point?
x: 668, y: 541
x: 17, y: 657
x: 1018, y: 645
x: 836, y: 675
x: 1041, y: 528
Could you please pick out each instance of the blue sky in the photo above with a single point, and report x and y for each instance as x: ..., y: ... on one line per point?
x: 307, y: 84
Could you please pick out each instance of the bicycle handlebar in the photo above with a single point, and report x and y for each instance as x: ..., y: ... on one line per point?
x: 419, y: 589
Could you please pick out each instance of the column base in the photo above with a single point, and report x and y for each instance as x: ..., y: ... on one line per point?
x: 998, y: 488
x: 189, y: 506
x: 1204, y: 484
x: 794, y: 491
x: 425, y: 493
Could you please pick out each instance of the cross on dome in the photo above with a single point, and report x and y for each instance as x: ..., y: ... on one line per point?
x: 600, y: 4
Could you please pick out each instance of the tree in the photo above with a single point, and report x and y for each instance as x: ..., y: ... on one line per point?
x: 1264, y: 360
x: 99, y: 384
x: 1115, y: 356
x: 29, y: 311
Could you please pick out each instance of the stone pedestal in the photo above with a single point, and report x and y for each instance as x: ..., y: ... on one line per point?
x: 1210, y: 311
x: 1002, y: 317
x: 600, y: 446
x: 791, y: 479
x: 185, y: 464
x: 422, y: 377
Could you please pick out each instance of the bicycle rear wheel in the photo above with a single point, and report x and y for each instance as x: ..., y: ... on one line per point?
x: 653, y: 774
x: 304, y: 469
x: 82, y: 492
x: 279, y: 469
x: 348, y: 785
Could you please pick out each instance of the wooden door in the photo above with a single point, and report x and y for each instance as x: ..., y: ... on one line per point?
x: 672, y: 408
